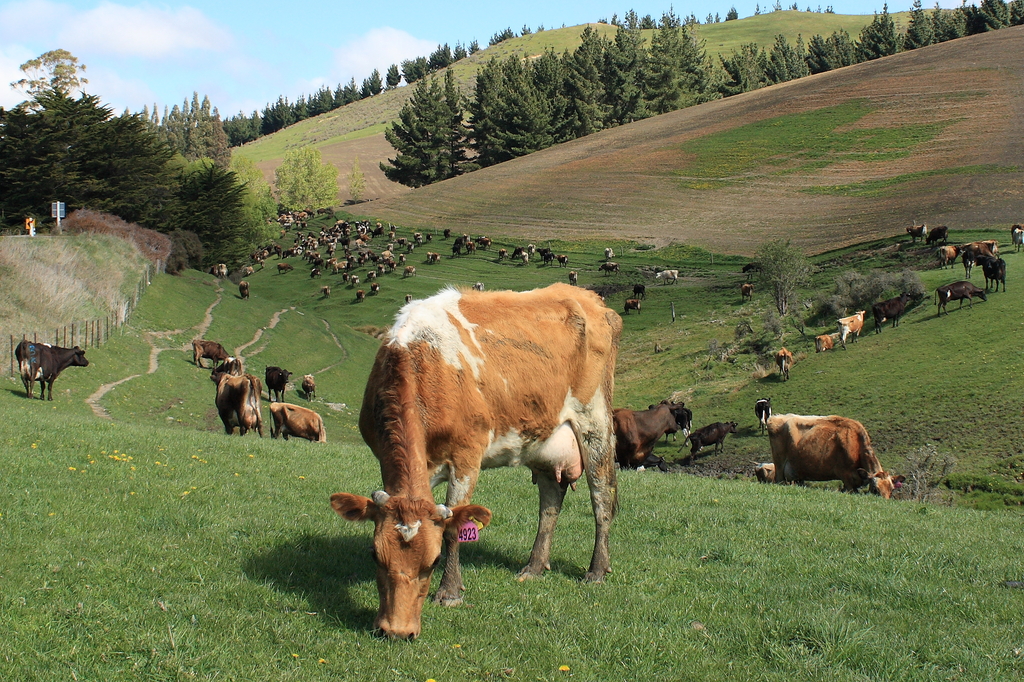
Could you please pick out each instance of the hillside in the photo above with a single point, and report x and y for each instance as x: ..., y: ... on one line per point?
x: 142, y: 542
x: 932, y: 135
x: 357, y: 130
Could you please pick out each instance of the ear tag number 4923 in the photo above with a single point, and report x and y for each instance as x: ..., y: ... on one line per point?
x: 469, y: 532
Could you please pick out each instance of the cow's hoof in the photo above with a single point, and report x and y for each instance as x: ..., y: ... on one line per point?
x: 448, y: 599
x: 596, y: 576
x: 530, y: 572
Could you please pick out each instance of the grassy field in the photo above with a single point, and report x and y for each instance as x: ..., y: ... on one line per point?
x: 152, y: 546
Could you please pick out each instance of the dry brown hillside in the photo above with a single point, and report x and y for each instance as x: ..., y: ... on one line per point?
x: 939, y: 138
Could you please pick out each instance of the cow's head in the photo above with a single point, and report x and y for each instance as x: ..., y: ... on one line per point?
x: 79, y: 359
x: 731, y: 427
x: 406, y: 548
x: 882, y: 483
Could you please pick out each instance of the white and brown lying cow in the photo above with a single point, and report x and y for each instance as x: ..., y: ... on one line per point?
x: 765, y: 472
x: 812, y: 448
x: 239, y: 402
x: 823, y: 343
x: 454, y: 389
x: 301, y: 422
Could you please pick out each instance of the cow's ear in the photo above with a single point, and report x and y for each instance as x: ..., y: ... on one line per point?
x: 466, y: 513
x: 354, y: 507
x: 899, y: 479
x: 864, y: 476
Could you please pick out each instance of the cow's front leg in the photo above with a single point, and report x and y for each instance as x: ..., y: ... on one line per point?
x: 460, y: 491
x: 552, y: 493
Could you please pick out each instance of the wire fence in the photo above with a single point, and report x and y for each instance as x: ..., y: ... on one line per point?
x: 83, y: 333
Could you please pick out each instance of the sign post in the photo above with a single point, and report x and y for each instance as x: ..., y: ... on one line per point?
x: 30, y: 226
x: 57, y: 211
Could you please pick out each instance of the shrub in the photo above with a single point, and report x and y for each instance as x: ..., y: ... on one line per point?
x: 856, y: 291
x: 186, y: 252
x: 924, y: 473
x: 154, y: 246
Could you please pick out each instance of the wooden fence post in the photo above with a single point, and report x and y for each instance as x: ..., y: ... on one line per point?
x: 673, y: 311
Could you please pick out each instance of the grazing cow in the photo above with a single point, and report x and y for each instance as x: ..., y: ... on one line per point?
x: 374, y: 288
x: 433, y: 257
x: 668, y: 275
x: 353, y: 281
x: 563, y: 261
x: 470, y: 247
x: 850, y: 325
x: 410, y: 271
x: 479, y: 286
x: 326, y: 291
x: 746, y: 292
x: 277, y: 382
x: 309, y: 386
x: 609, y: 254
x: 947, y: 255
x: 547, y: 255
x: 632, y: 304
x: 463, y: 353
x: 447, y: 233
x: 360, y: 295
x: 232, y: 366
x: 968, y: 258
x: 1017, y: 237
x: 314, y: 273
x: 243, y: 289
x: 889, y: 310
x: 784, y: 360
x: 957, y: 291
x: 283, y: 268
x: 765, y: 472
x: 712, y: 433
x: 301, y: 422
x: 574, y: 278
x: 937, y: 233
x: 502, y: 254
x: 525, y: 258
x: 609, y: 267
x: 750, y: 269
x: 210, y: 350
x: 639, y: 291
x: 763, y: 410
x: 916, y: 232
x: 995, y: 271
x: 43, y: 363
x: 247, y: 271
x: 239, y: 402
x: 827, y: 449
x: 636, y: 433
x: 823, y: 343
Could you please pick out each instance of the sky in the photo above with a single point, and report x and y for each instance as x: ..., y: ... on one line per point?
x: 245, y: 54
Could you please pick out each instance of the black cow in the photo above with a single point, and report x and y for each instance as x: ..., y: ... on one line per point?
x: 639, y: 291
x: 995, y: 271
x: 750, y: 268
x: 889, y: 310
x: 277, y: 382
x: 712, y: 433
x: 43, y: 363
x: 763, y: 410
x: 957, y: 291
x: 937, y: 233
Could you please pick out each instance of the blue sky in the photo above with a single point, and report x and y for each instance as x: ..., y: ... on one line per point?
x: 244, y: 54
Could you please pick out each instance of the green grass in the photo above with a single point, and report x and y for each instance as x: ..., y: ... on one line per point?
x: 798, y: 142
x: 155, y: 547
x: 885, y: 186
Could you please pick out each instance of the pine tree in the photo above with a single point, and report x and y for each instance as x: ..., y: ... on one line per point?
x: 879, y: 38
x: 784, y: 62
x: 372, y: 85
x: 514, y: 119
x: 393, y: 77
x: 585, y: 109
x: 1017, y: 12
x: 921, y: 31
x: 948, y: 24
x: 732, y: 14
x: 745, y: 70
x: 624, y: 78
x: 679, y: 71
x: 548, y: 74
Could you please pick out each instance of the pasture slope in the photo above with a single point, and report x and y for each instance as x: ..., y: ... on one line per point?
x: 357, y: 130
x: 831, y: 160
x: 152, y: 546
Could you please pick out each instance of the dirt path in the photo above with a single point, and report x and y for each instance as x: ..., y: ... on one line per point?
x: 93, y: 401
x: 274, y: 319
x: 344, y: 353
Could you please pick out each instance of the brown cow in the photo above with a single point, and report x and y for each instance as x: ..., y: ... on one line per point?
x: 43, y: 363
x: 636, y: 433
x: 574, y: 278
x: 360, y: 295
x: 609, y: 267
x: 823, y: 343
x: 850, y: 325
x: 292, y: 420
x: 947, y: 255
x: 232, y: 366
x: 243, y: 289
x: 210, y: 350
x: 284, y: 267
x: 891, y: 309
x: 765, y: 472
x: 827, y: 449
x: 410, y: 271
x: 326, y: 291
x: 239, y: 402
x: 710, y: 434
x: 309, y: 386
x: 937, y: 233
x: 462, y: 353
x: 747, y: 291
x: 374, y: 288
x: 917, y: 232
x: 784, y: 359
x: 632, y: 304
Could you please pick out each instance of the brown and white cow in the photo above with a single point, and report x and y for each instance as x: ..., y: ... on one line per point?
x: 609, y: 267
x: 574, y: 278
x: 823, y: 343
x: 309, y: 386
x: 812, y: 448
x: 239, y: 402
x: 917, y: 232
x: 631, y: 304
x: 325, y: 291
x: 746, y: 292
x: 301, y: 422
x: 211, y: 350
x: 784, y: 360
x: 409, y: 271
x: 668, y: 275
x: 765, y: 472
x: 850, y: 325
x: 1017, y: 237
x: 43, y: 363
x: 243, y: 289
x: 454, y: 389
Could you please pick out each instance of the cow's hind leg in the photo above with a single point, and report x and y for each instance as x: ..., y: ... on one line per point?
x: 604, y: 496
x: 552, y: 493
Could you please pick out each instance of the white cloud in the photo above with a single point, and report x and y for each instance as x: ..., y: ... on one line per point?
x: 12, y: 57
x: 138, y: 31
x: 119, y: 93
x: 378, y: 49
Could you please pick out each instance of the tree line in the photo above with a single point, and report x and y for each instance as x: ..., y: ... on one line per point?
x: 520, y: 106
